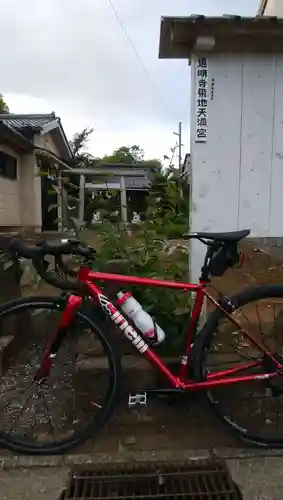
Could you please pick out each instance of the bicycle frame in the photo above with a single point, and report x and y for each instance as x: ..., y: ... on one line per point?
x: 181, y: 380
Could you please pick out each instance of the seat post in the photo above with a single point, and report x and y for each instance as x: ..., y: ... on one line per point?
x: 204, y: 277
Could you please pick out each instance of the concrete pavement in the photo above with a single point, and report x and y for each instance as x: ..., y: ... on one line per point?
x: 259, y: 476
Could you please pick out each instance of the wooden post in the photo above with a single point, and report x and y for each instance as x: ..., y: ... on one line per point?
x: 60, y: 203
x: 124, y: 214
x: 82, y: 199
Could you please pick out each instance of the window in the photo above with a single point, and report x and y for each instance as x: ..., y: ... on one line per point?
x: 8, y: 166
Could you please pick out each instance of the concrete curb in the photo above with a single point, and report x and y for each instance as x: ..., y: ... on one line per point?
x: 13, y: 462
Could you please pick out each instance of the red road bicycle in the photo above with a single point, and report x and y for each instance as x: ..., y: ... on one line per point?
x: 248, y: 377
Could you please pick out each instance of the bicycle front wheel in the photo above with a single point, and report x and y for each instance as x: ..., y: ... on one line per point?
x: 253, y: 410
x: 78, y: 396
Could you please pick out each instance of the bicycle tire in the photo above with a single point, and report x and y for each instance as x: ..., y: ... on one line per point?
x: 203, y: 345
x: 96, y: 323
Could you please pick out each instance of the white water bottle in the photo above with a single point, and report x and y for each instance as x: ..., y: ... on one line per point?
x: 143, y: 321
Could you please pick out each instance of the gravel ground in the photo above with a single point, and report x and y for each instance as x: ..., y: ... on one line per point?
x: 259, y: 479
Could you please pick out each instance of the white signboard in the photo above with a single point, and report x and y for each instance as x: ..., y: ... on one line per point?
x: 201, y: 99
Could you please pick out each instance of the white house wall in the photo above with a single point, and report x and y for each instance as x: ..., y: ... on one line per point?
x: 257, y: 109
x: 237, y: 174
x: 274, y: 8
x: 276, y: 184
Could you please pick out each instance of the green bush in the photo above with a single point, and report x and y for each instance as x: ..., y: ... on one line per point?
x: 168, y: 204
x: 144, y: 251
x: 145, y: 255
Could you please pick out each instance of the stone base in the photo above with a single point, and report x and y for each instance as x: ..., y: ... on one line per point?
x: 23, y: 230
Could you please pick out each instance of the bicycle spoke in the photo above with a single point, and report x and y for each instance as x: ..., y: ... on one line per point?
x: 11, y: 389
x: 273, y: 308
x: 277, y: 329
x: 243, y: 354
x: 246, y: 356
x: 7, y: 403
x: 260, y: 325
x: 40, y: 355
x: 22, y: 409
x: 49, y: 417
x: 247, y: 319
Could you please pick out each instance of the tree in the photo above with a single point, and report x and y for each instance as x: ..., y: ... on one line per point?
x: 78, y: 144
x: 3, y: 106
x: 169, y: 202
x: 131, y: 155
x: 125, y: 154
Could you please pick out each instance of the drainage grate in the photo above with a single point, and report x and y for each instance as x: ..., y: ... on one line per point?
x: 195, y: 480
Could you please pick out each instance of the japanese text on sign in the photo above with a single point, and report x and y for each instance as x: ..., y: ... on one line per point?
x: 201, y: 99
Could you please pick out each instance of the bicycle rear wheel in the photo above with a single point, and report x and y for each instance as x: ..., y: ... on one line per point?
x: 76, y: 399
x: 252, y: 410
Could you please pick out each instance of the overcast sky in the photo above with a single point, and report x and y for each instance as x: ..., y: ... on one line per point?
x: 72, y: 57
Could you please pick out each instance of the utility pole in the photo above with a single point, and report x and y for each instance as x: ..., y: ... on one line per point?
x: 179, y: 135
x: 180, y: 146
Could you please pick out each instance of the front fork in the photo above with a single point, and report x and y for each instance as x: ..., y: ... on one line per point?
x: 72, y: 305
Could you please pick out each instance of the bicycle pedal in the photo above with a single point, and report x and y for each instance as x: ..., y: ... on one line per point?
x: 139, y: 398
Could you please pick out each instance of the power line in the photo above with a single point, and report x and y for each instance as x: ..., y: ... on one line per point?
x: 154, y: 86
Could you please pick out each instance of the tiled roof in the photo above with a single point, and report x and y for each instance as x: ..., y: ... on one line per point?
x: 29, y: 124
x: 21, y: 121
x: 11, y: 133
